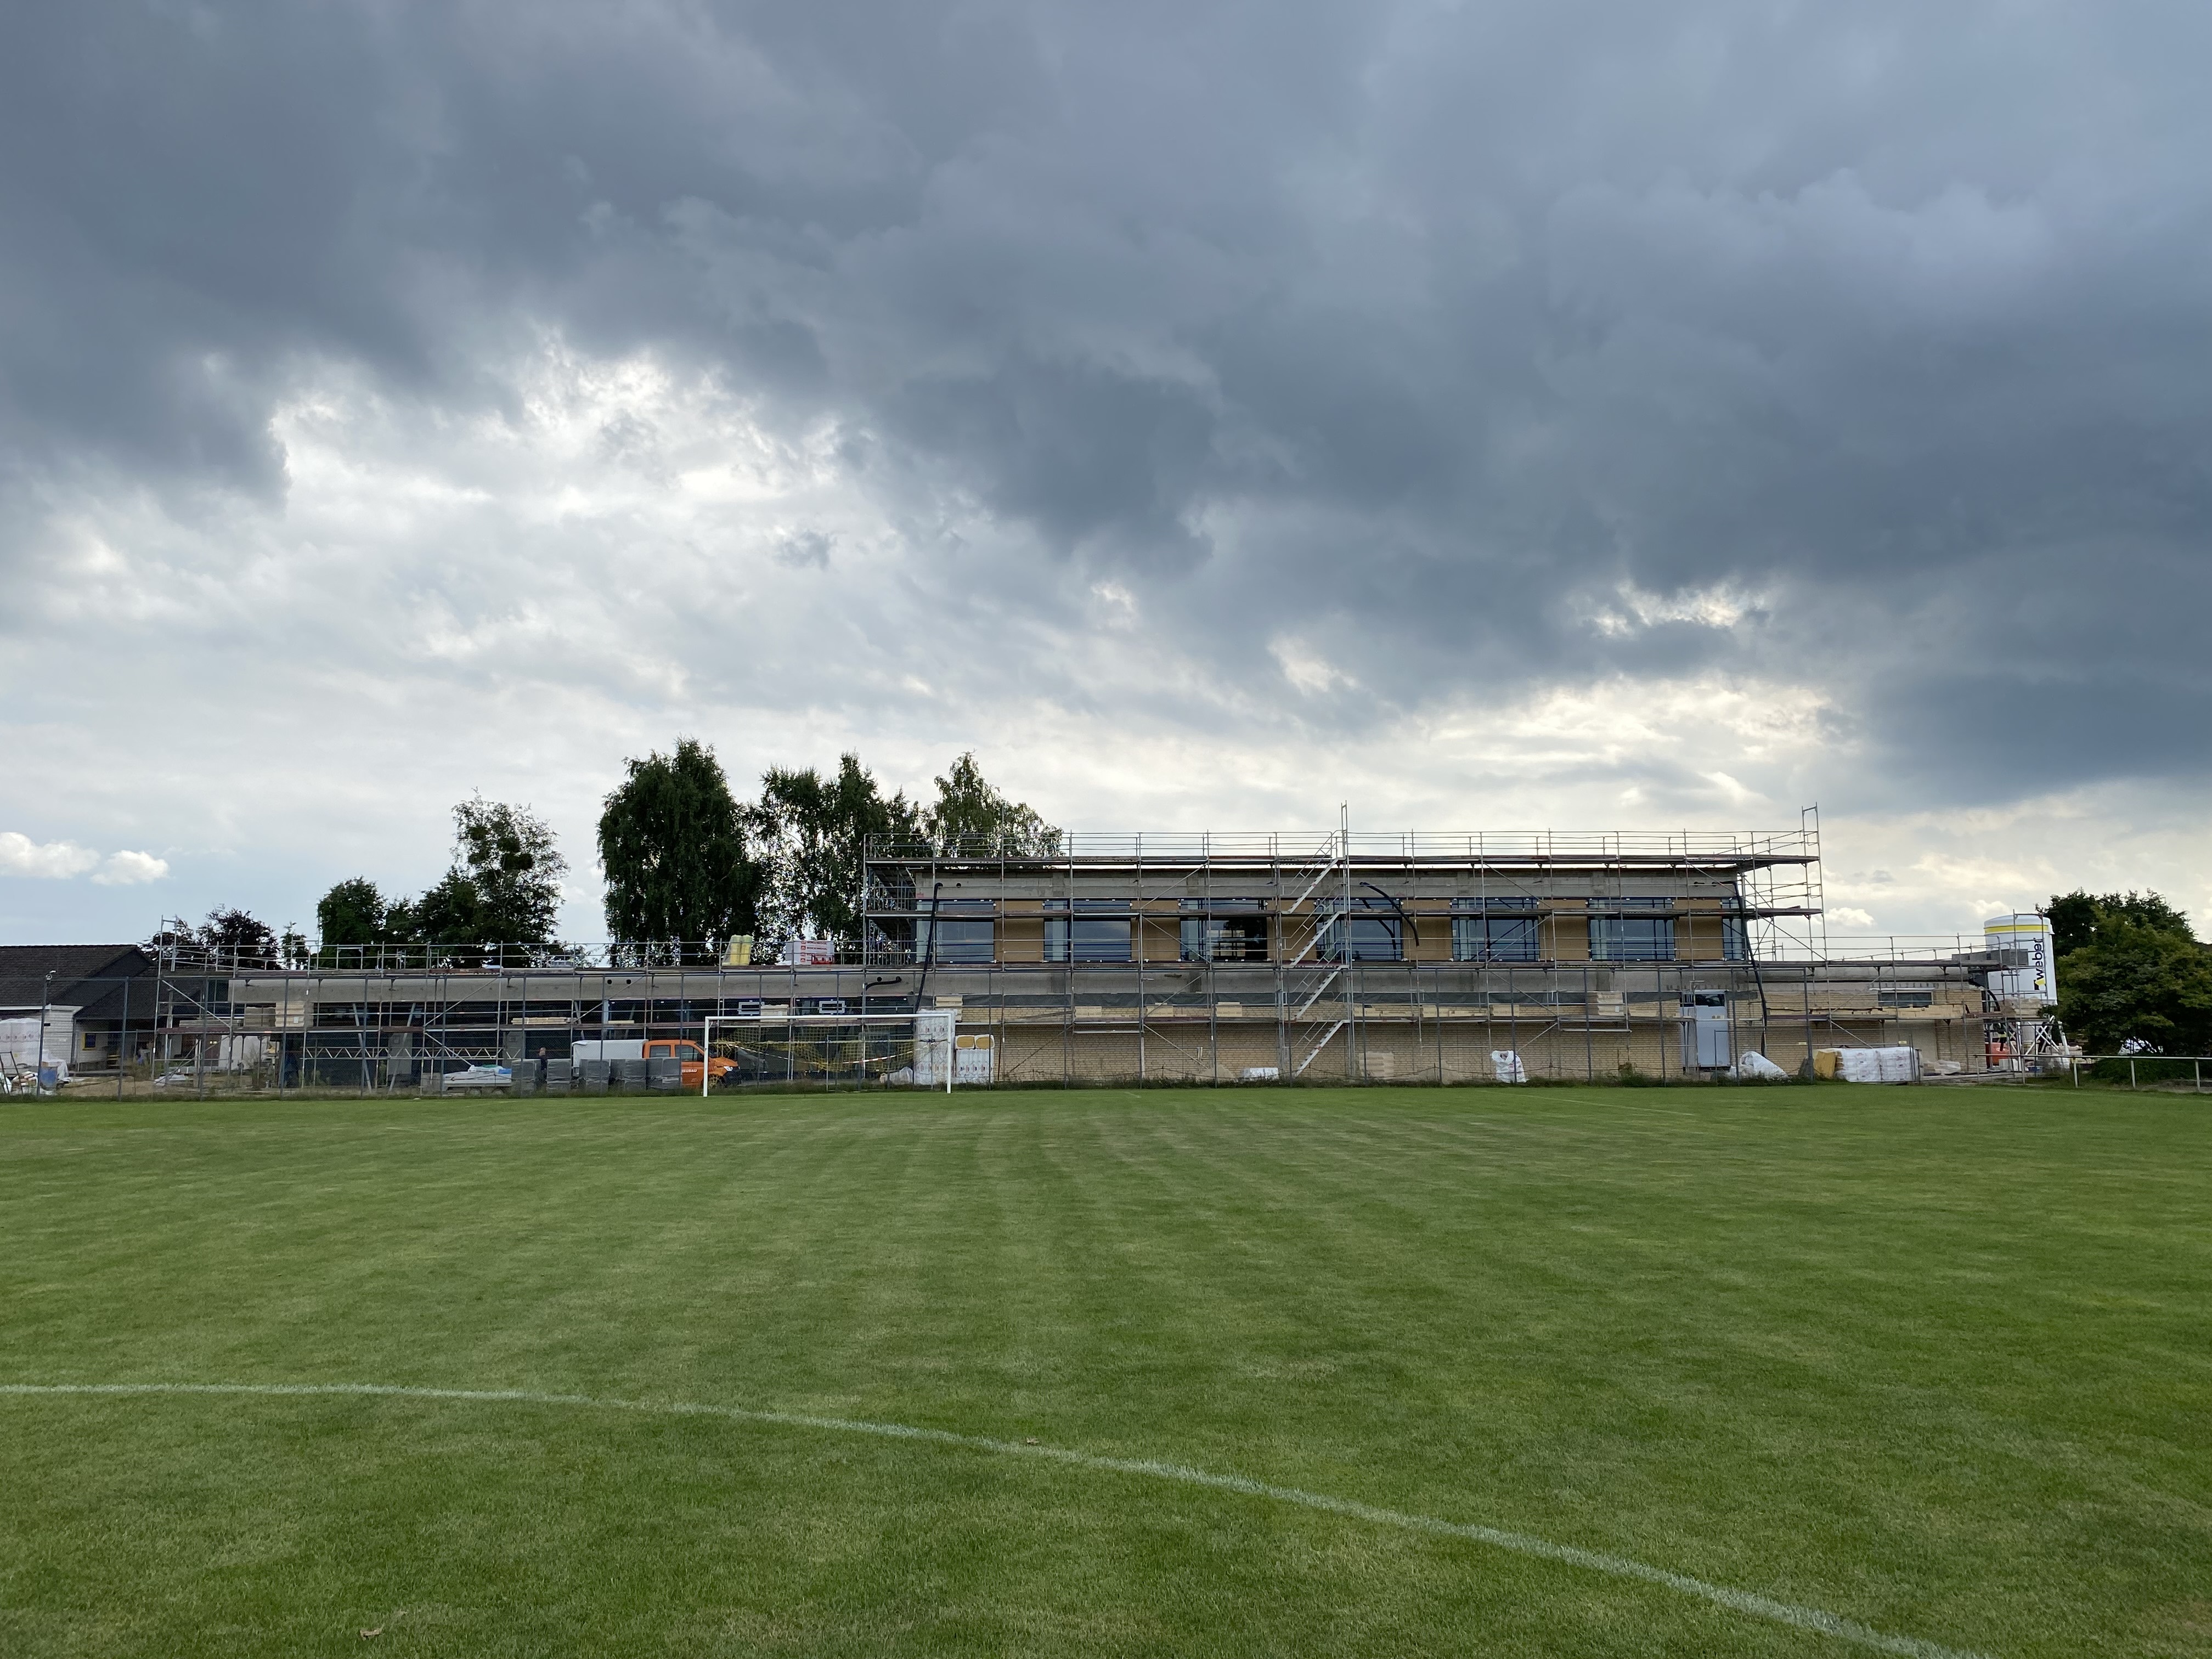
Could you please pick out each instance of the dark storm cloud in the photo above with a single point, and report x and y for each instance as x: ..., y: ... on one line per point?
x: 1470, y: 346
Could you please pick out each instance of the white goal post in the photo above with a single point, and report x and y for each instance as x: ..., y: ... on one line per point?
x: 915, y: 1051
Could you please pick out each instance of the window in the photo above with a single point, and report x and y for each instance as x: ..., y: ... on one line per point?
x: 1224, y: 930
x: 1906, y: 996
x: 1624, y: 936
x: 1494, y: 930
x: 1367, y: 938
x: 958, y: 931
x: 1092, y: 930
x: 1736, y: 932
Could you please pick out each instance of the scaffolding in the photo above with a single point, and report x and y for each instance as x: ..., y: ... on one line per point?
x: 1328, y: 956
x: 281, y: 1030
x: 1309, y: 896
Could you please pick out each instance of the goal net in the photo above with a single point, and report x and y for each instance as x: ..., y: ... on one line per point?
x: 829, y: 1051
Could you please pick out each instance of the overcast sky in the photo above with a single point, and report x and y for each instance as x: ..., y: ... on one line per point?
x: 1494, y: 416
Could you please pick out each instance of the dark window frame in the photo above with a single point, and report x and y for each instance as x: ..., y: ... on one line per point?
x: 1372, y: 937
x: 1631, y: 939
x: 1505, y: 928
x: 957, y: 932
x: 1090, y: 931
x: 1736, y: 932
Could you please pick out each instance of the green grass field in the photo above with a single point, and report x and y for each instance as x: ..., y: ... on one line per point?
x: 1936, y: 1363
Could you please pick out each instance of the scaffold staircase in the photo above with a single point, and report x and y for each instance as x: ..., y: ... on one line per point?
x: 1320, y: 1043
x: 1307, y: 979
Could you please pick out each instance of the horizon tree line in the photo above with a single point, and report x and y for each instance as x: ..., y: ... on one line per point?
x: 684, y: 861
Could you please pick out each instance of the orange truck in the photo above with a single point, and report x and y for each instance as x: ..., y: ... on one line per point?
x: 697, y: 1066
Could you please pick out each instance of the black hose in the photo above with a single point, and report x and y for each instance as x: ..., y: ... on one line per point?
x: 1394, y: 905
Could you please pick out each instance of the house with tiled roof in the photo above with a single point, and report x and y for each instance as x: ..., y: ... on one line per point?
x: 96, y: 1003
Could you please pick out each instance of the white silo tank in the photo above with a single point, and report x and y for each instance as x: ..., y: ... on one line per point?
x: 2031, y: 970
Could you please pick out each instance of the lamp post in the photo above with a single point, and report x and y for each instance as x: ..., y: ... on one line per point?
x: 45, y: 1001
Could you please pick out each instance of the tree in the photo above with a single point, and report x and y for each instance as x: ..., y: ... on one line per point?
x: 509, y: 856
x: 232, y: 937
x: 814, y: 832
x: 673, y: 848
x: 2129, y: 966
x: 683, y: 861
x: 502, y: 888
x: 2074, y: 916
x: 970, y: 811
x: 352, y: 912
x: 451, y: 912
x: 229, y: 937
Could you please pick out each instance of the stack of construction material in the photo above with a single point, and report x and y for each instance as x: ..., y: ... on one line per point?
x: 1900, y: 1065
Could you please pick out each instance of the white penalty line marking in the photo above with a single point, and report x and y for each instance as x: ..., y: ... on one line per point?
x: 1617, y: 1566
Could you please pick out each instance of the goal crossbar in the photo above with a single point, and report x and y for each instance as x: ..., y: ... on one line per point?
x: 837, y: 1044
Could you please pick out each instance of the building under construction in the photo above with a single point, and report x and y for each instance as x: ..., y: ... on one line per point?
x: 1406, y: 957
x: 1332, y: 958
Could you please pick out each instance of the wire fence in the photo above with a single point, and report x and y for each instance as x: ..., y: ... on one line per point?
x: 2141, y: 1070
x: 276, y: 1031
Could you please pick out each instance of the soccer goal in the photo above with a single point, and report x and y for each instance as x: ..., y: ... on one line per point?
x: 768, y: 1050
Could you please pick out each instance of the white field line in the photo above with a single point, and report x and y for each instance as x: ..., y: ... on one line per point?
x: 1617, y: 1566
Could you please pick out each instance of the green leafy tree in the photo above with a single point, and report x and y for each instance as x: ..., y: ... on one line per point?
x: 352, y: 912
x: 813, y: 831
x: 503, y: 887
x: 232, y: 936
x: 2129, y: 966
x: 509, y: 857
x: 229, y: 937
x: 451, y: 912
x: 969, y: 812
x: 2076, y: 916
x: 673, y: 846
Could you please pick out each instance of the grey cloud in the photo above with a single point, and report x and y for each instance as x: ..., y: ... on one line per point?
x: 1422, y: 333
x: 804, y: 550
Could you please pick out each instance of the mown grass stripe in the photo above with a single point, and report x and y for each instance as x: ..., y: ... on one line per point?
x: 1618, y: 1566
